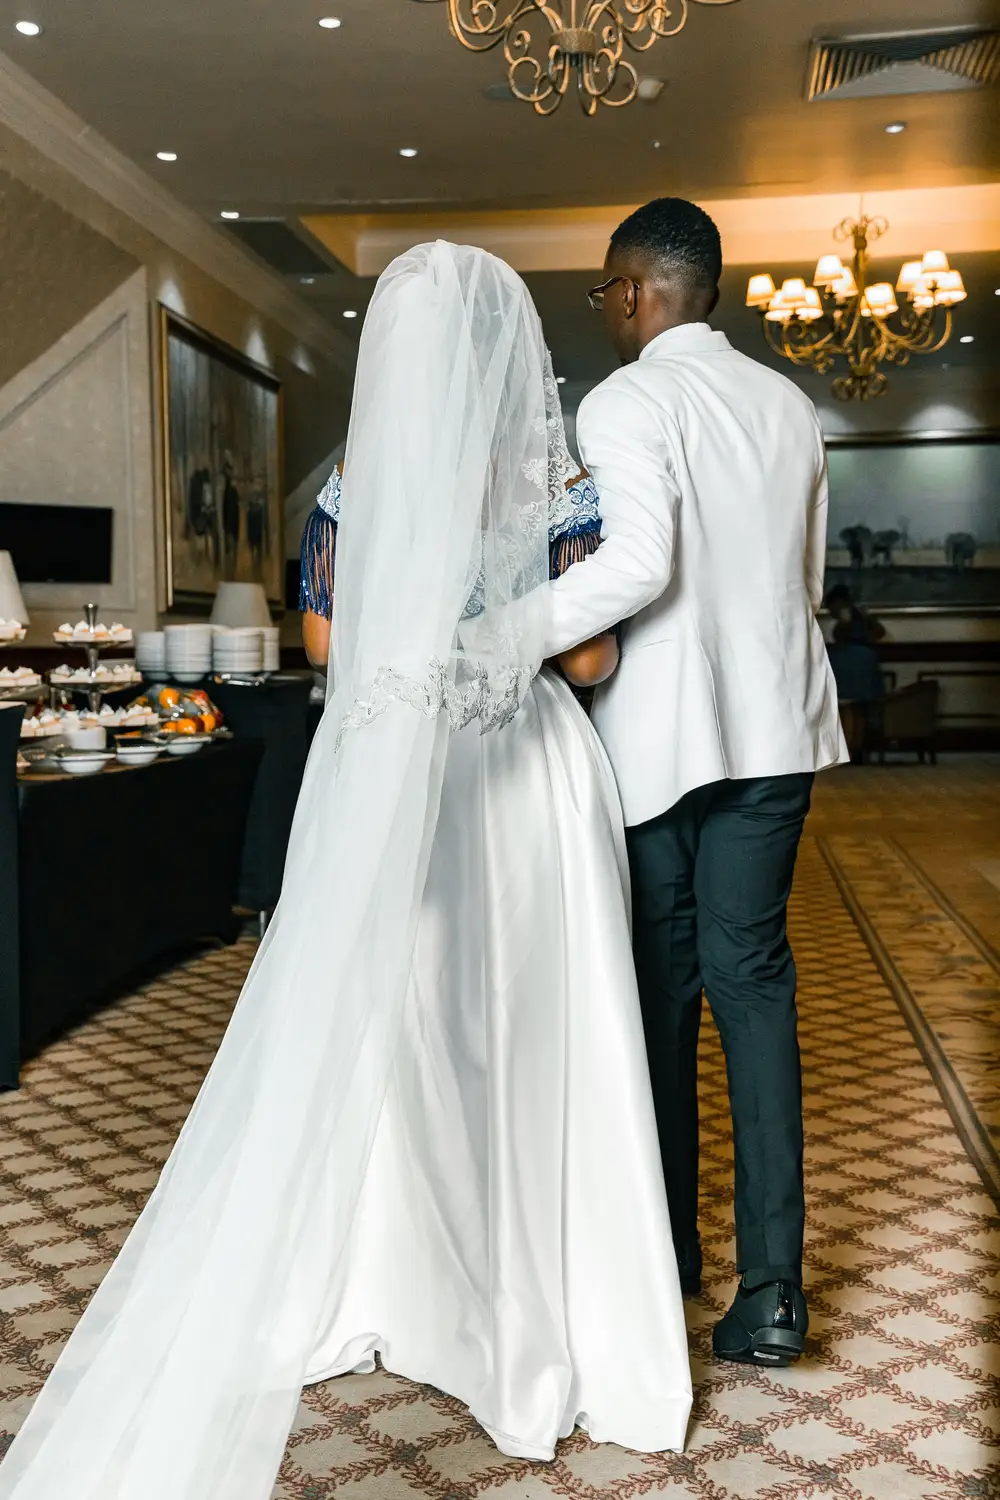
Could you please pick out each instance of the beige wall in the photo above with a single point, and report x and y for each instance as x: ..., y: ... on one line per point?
x: 66, y: 253
x: 54, y: 269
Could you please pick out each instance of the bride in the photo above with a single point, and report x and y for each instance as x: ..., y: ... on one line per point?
x: 428, y: 1132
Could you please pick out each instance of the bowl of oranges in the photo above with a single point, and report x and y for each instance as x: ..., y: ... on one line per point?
x: 188, y: 718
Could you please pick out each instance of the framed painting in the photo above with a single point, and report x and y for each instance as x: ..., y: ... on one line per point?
x: 914, y: 521
x: 222, y: 451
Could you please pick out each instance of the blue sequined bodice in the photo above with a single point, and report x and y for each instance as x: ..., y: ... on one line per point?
x: 579, y: 513
x: 574, y: 533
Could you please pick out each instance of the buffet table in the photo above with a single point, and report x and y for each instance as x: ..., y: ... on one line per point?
x: 111, y: 872
x: 274, y: 714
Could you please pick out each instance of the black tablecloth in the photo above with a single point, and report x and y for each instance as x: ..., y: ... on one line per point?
x: 275, y: 714
x: 10, y: 1024
x: 114, y: 871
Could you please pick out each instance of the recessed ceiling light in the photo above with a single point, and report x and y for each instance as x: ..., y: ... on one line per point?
x: 967, y: 338
x: 229, y: 213
x: 28, y: 28
x: 896, y: 128
x: 307, y: 280
x: 349, y: 312
x: 650, y: 89
x: 407, y: 150
x: 656, y: 145
x: 560, y: 380
x: 997, y: 292
x: 166, y: 156
x: 330, y: 23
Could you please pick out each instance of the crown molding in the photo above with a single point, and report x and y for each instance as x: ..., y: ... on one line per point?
x: 961, y: 219
x: 45, y: 123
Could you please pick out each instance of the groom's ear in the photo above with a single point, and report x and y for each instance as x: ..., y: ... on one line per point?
x: 714, y: 302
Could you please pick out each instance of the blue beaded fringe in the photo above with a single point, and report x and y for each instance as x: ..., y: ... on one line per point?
x: 318, y: 555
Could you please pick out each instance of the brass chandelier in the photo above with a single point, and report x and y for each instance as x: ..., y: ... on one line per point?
x: 841, y: 317
x: 548, y: 42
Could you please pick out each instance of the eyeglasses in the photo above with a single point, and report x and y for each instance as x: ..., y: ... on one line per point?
x: 596, y: 295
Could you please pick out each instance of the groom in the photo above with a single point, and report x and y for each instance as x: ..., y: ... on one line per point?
x: 712, y: 477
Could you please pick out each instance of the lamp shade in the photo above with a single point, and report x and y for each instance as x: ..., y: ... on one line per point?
x: 760, y: 290
x: 933, y: 262
x: 241, y: 605
x: 949, y: 288
x: 813, y: 307
x: 829, y: 268
x: 793, y: 293
x: 909, y: 275
x: 846, y: 287
x: 11, y: 602
x: 879, y: 300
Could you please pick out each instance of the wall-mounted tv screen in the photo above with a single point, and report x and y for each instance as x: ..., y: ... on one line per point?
x: 58, y: 543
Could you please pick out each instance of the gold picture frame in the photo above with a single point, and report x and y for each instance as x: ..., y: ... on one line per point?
x: 222, y: 421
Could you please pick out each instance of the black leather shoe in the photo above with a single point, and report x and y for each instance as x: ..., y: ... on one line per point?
x: 766, y: 1325
x: 689, y: 1267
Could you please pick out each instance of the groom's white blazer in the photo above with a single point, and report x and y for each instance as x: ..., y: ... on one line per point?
x: 712, y: 477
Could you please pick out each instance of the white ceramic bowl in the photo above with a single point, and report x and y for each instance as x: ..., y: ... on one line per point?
x: 186, y: 744
x: 84, y: 763
x: 137, y: 754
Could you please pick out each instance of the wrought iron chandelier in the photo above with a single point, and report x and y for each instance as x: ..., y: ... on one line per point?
x: 546, y: 42
x: 841, y: 317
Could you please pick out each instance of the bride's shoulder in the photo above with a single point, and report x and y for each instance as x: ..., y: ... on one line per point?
x: 328, y: 499
x: 579, y: 510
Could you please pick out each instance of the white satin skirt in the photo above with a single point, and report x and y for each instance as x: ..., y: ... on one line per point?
x: 512, y: 1244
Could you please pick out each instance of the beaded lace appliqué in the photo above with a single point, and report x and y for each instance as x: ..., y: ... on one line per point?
x: 491, y: 697
x: 493, y: 700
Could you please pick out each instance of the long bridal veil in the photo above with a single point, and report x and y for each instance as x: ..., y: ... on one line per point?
x: 182, y: 1379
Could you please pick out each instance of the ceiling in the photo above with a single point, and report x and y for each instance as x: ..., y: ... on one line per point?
x: 277, y: 118
x: 271, y: 115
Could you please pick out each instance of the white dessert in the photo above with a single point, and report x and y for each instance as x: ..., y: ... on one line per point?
x: 12, y: 630
x: 119, y: 674
x: 18, y: 677
x: 81, y: 634
x: 40, y: 725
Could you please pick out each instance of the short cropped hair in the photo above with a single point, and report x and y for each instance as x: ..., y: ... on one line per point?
x: 677, y: 237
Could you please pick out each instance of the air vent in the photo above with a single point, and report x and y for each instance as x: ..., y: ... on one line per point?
x: 904, y: 62
x: 280, y: 247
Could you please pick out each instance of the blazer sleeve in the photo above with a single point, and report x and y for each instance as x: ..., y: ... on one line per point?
x: 816, y: 529
x: 623, y: 444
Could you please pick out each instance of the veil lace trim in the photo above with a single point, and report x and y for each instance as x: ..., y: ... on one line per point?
x: 492, y: 699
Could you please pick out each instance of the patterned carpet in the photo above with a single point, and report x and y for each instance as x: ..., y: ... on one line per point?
x: 899, y: 1397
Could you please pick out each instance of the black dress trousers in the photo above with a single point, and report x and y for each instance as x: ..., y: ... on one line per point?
x: 710, y: 885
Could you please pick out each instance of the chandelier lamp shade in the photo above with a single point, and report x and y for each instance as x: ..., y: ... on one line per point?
x: 844, y: 317
x: 550, y: 45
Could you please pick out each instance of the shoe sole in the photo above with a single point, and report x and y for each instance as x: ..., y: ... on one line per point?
x: 775, y: 1347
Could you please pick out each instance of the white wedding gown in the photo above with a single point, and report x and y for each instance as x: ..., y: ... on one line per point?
x: 428, y: 1130
x: 511, y: 1244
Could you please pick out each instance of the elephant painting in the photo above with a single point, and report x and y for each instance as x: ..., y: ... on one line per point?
x: 858, y: 541
x: 960, y: 549
x: 882, y: 545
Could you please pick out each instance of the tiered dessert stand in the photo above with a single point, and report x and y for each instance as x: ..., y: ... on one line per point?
x: 19, y: 689
x: 96, y: 681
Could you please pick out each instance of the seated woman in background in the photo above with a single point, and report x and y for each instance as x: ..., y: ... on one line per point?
x: 852, y: 654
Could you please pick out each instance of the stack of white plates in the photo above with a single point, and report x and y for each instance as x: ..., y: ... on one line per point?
x: 151, y: 653
x: 188, y: 651
x: 239, y: 650
x: 272, y: 648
